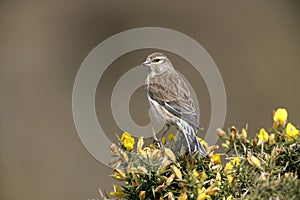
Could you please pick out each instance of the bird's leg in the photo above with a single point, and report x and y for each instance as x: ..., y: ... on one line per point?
x: 155, y: 139
x: 159, y: 141
x: 168, y: 127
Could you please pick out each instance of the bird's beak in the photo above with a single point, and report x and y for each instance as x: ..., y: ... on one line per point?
x: 146, y: 63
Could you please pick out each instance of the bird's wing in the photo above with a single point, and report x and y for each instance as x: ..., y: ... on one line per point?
x: 170, y: 91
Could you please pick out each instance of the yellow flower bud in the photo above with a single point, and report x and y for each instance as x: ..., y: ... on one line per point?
x: 244, y: 135
x: 255, y: 142
x: 114, y: 149
x: 226, y: 144
x: 233, y: 133
x: 169, y: 153
x: 124, y: 155
x: 222, y: 134
x: 272, y: 139
x: 170, y: 179
x: 140, y: 144
x: 171, y: 137
x: 143, y: 154
x: 142, y: 195
x: 163, y: 140
x: 219, y: 179
x: 156, y: 154
x: 212, y: 190
x: 233, y: 130
x: 118, y: 175
x: 117, y: 192
x: 254, y: 161
x: 176, y: 171
x: 231, y: 180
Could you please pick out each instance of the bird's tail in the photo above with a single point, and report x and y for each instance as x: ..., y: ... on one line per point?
x: 192, y: 142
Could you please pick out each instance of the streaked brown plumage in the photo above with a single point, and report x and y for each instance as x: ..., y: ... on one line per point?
x: 168, y: 93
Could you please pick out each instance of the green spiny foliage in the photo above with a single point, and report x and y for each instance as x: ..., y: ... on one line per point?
x: 264, y: 167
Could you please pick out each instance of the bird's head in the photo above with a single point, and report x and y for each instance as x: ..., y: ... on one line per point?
x: 158, y: 63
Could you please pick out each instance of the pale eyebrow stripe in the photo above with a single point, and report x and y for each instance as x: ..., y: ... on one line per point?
x: 158, y: 57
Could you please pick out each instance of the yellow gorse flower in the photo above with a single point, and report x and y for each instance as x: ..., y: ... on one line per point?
x: 124, y: 136
x: 203, y: 176
x: 280, y: 116
x: 292, y: 132
x: 263, y: 136
x: 237, y: 161
x: 202, y: 194
x: 183, y: 196
x: 128, y: 141
x: 188, y: 176
x: 195, y: 173
x: 215, y: 159
x: 228, y: 167
x: 233, y: 163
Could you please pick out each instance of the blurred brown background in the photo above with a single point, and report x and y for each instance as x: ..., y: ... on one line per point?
x: 256, y: 46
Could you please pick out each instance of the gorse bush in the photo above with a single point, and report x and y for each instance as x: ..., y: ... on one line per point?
x: 264, y: 167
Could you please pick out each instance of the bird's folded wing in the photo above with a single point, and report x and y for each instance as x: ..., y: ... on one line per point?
x: 170, y: 91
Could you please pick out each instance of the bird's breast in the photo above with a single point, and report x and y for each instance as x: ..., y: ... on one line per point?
x: 162, y: 113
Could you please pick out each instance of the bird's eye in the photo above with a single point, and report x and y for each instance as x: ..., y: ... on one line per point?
x: 156, y: 60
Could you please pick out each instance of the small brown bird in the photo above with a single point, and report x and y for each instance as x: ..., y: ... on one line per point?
x: 170, y: 97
